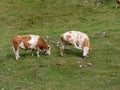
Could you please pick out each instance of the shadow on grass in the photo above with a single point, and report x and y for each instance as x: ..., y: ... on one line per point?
x: 23, y: 55
x: 73, y: 52
x: 68, y: 51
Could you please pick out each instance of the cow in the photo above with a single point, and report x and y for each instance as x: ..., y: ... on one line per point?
x: 77, y: 39
x: 29, y: 42
x: 117, y: 3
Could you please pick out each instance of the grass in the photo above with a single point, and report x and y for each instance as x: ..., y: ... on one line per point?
x: 52, y: 18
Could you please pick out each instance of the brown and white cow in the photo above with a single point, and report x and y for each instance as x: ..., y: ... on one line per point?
x: 77, y: 39
x: 29, y: 42
x: 117, y: 3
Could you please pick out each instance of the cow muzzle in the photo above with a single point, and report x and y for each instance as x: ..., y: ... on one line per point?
x: 47, y: 52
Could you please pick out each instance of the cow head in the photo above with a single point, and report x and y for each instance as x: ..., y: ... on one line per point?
x: 47, y: 50
x: 85, y: 52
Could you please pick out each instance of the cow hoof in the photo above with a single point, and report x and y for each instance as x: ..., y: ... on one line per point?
x: 84, y: 57
x: 61, y: 55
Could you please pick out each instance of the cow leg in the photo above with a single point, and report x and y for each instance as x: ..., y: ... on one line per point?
x: 33, y: 52
x: 37, y: 52
x: 16, y: 52
x: 62, y: 47
x: 117, y: 6
x: 17, y: 56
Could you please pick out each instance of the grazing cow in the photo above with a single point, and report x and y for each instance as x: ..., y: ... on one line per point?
x: 117, y: 3
x: 29, y: 42
x: 77, y: 39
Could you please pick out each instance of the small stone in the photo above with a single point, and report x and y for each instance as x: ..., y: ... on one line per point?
x: 98, y: 33
x: 103, y: 33
x: 89, y: 64
x: 113, y: 74
x: 80, y: 66
x: 13, y: 71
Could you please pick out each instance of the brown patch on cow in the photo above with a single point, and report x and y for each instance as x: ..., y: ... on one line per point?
x: 68, y: 37
x: 41, y: 44
x: 16, y: 40
x: 86, y: 43
x: 25, y: 41
x: 66, y: 41
x: 62, y: 38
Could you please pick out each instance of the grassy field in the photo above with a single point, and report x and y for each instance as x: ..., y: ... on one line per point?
x: 52, y: 18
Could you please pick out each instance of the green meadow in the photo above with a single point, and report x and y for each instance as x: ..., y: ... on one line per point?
x: 51, y: 18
